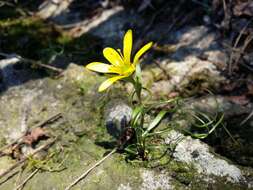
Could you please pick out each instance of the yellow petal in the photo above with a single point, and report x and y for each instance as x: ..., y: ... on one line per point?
x: 142, y: 51
x: 113, y: 56
x: 99, y: 67
x: 109, y: 82
x: 114, y: 69
x: 127, y: 46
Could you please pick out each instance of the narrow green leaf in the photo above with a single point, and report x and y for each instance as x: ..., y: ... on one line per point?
x: 217, y: 124
x: 200, y: 136
x: 155, y: 122
x: 204, y: 135
x: 138, y: 72
x: 131, y: 151
x: 137, y: 112
x: 157, y: 132
x: 163, y: 102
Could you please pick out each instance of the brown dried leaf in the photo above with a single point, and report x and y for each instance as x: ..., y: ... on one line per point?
x: 173, y: 95
x: 34, y: 136
x: 250, y: 89
x: 245, y: 8
x: 242, y: 100
x: 230, y: 86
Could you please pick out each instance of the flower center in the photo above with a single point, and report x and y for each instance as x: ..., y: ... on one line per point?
x: 128, y: 70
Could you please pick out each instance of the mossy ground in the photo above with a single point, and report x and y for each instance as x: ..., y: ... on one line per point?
x: 36, y: 39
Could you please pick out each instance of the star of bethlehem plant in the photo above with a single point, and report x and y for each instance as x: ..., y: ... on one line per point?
x: 123, y: 67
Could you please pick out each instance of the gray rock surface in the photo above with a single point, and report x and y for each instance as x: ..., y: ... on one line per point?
x: 153, y: 181
x: 182, y: 76
x: 117, y: 117
x: 51, y: 9
x: 193, y: 151
x: 113, y: 28
x: 201, y: 42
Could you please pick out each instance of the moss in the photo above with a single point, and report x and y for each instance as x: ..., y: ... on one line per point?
x: 26, y: 36
x: 115, y: 172
x: 8, y: 12
x: 37, y: 39
x: 182, y: 172
x: 15, y: 9
x: 78, y: 157
x: 83, y: 49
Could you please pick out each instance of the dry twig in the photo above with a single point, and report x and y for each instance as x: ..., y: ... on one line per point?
x: 90, y: 169
x: 25, y: 158
x: 21, y: 59
x: 20, y: 186
x: 247, y: 118
x: 48, y: 120
x: 235, y: 49
x: 41, y: 124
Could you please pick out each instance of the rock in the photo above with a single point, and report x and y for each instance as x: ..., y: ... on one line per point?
x: 124, y: 187
x: 213, y: 104
x: 75, y: 96
x: 53, y: 8
x: 24, y: 105
x: 189, y: 77
x: 8, y: 77
x: 117, y: 117
x: 5, y: 163
x: 113, y: 28
x: 217, y: 57
x: 193, y: 151
x: 231, y: 138
x: 153, y: 181
x: 193, y: 63
x: 194, y: 41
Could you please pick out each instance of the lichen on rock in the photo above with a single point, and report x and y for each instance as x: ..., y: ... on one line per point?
x: 192, y: 151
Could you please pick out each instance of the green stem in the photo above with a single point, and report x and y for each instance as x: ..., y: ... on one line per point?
x: 138, y: 93
x: 137, y: 87
x: 140, y: 141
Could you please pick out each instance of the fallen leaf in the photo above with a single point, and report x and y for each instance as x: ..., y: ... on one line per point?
x: 173, y: 95
x: 228, y: 87
x: 245, y: 8
x: 250, y: 89
x: 34, y: 136
x: 242, y: 100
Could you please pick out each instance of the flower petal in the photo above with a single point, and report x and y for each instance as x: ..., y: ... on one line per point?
x: 142, y: 51
x: 109, y: 82
x: 99, y: 67
x: 127, y: 46
x: 114, y: 69
x: 113, y: 56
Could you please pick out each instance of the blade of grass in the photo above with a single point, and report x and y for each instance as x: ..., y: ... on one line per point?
x: 155, y: 122
x: 138, y: 111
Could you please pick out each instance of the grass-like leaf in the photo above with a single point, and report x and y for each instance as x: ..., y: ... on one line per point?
x: 155, y: 122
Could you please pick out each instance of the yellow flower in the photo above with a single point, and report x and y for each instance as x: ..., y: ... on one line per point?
x: 121, y: 64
